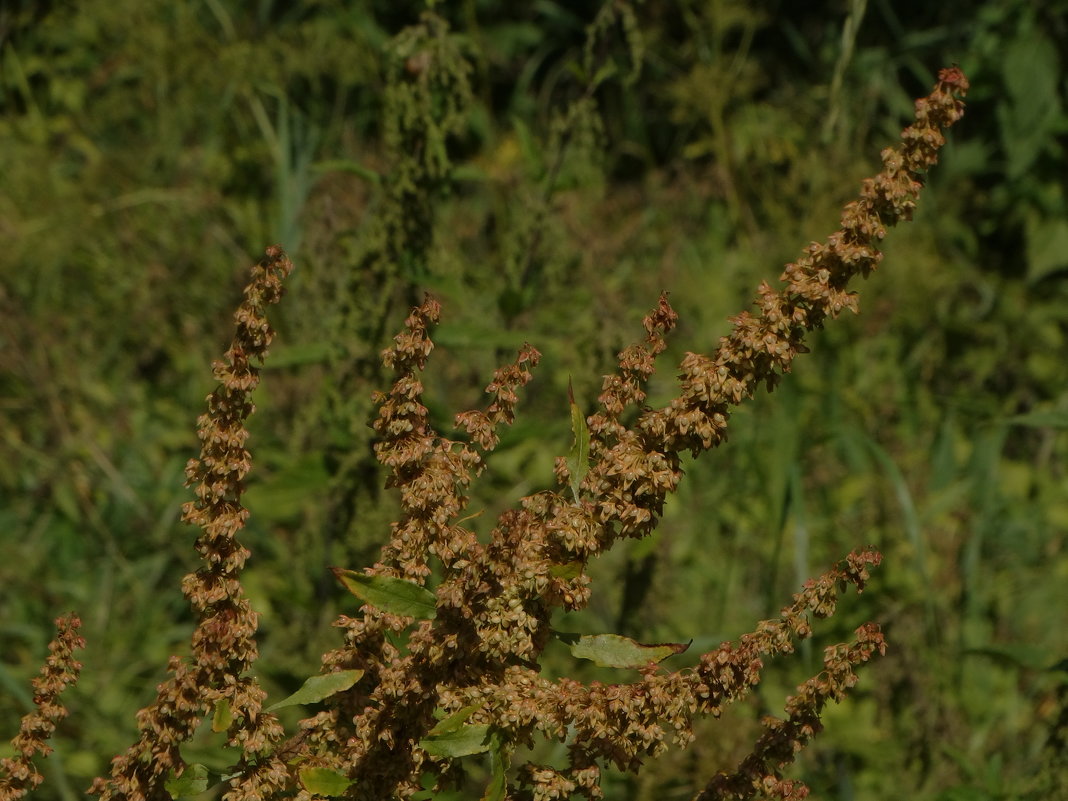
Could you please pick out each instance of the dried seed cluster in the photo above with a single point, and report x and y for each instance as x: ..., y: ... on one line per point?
x: 223, y: 643
x: 494, y: 601
x: 18, y: 776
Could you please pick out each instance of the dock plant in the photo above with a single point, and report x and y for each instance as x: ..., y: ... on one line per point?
x: 442, y: 662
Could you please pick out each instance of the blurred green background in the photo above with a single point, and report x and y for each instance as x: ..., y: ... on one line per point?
x: 546, y: 169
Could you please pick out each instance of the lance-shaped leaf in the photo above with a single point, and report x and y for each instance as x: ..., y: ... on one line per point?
x: 324, y: 781
x: 464, y: 741
x: 193, y: 781
x: 617, y: 651
x: 319, y: 687
x: 222, y: 717
x: 455, y: 720
x: 578, y: 460
x: 393, y: 595
x: 1045, y: 419
x: 500, y: 757
x: 567, y: 571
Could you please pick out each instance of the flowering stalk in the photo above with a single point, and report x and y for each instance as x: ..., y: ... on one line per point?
x: 636, y: 468
x: 18, y: 776
x: 475, y: 640
x: 760, y: 773
x: 494, y: 601
x: 223, y: 644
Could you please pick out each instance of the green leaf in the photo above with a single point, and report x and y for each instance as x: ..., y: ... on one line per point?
x: 567, y: 571
x: 576, y: 69
x: 603, y: 74
x: 1017, y: 655
x: 1029, y: 118
x: 296, y: 355
x: 393, y: 595
x: 578, y: 460
x: 223, y: 717
x: 464, y: 741
x: 455, y: 720
x: 193, y: 781
x: 617, y: 651
x: 319, y: 687
x: 347, y: 165
x: 529, y: 147
x: 324, y: 781
x: 499, y: 759
x: 1047, y: 247
x: 1044, y: 419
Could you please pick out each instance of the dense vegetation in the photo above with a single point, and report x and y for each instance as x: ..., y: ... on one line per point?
x: 571, y: 172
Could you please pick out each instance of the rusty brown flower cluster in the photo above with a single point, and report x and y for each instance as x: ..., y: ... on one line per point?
x: 480, y: 651
x: 460, y: 658
x: 214, y: 678
x: 494, y: 601
x: 18, y: 776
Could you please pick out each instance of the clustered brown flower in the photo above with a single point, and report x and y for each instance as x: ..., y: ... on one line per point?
x: 223, y: 643
x: 494, y: 601
x: 479, y: 653
x: 18, y: 775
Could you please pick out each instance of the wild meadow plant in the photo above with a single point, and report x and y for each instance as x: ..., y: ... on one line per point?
x: 442, y: 661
